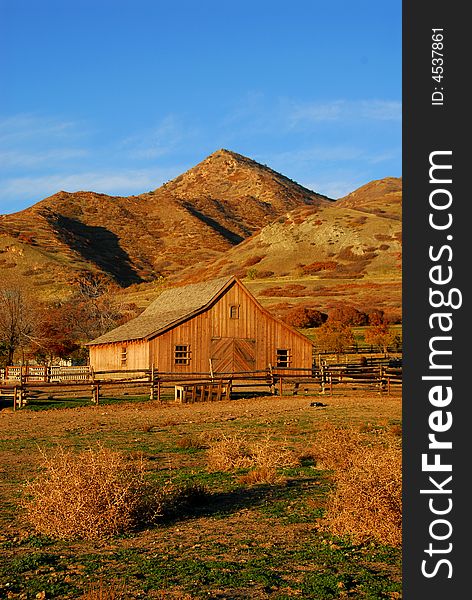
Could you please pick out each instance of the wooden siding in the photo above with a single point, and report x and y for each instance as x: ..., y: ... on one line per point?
x: 246, y: 343
x: 108, y: 357
x: 254, y: 327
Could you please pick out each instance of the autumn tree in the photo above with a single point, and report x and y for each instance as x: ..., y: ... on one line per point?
x: 302, y: 316
x: 55, y: 335
x: 334, y: 336
x: 378, y: 333
x: 348, y: 315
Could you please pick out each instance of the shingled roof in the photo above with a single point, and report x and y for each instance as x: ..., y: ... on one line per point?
x: 169, y: 309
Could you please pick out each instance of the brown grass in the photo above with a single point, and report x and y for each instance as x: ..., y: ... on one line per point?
x: 101, y: 591
x: 366, y: 502
x: 264, y: 457
x: 251, y: 261
x: 334, y: 447
x: 260, y: 475
x: 93, y: 494
x: 189, y: 442
x: 288, y: 291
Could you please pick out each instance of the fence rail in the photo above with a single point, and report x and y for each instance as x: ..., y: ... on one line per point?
x: 24, y: 384
x: 30, y: 373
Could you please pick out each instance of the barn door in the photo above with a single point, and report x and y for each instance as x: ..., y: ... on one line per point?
x: 222, y: 355
x: 244, y: 355
x: 231, y: 355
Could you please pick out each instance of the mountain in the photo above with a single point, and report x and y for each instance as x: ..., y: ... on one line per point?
x: 351, y: 237
x: 382, y: 197
x: 196, y: 217
x: 344, y: 251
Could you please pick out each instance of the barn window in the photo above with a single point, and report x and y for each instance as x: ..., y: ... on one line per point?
x: 234, y: 311
x: 124, y: 356
x: 182, y: 354
x: 284, y: 357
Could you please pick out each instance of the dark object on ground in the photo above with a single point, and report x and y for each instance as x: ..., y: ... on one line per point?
x: 317, y: 404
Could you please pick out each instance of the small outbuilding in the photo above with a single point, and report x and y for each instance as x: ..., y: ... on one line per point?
x: 215, y: 326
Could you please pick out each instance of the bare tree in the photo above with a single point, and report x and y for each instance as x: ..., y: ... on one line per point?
x: 95, y: 307
x: 18, y: 320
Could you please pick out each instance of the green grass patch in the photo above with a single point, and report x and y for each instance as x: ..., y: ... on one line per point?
x: 57, y: 403
x: 235, y: 541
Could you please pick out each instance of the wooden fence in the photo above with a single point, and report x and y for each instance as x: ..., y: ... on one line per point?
x: 23, y: 384
x: 30, y: 373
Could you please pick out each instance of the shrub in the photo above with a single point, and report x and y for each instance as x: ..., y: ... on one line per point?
x: 318, y: 266
x: 252, y: 260
x: 231, y: 453
x: 294, y: 290
x: 366, y: 502
x: 348, y: 315
x: 334, y: 447
x: 93, y: 494
x: 253, y: 273
x: 264, y: 274
x: 302, y: 316
x: 259, y: 475
x: 189, y: 442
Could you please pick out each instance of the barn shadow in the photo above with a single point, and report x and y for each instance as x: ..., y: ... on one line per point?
x: 99, y: 246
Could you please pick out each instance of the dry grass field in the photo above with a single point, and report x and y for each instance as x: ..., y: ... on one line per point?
x: 253, y: 479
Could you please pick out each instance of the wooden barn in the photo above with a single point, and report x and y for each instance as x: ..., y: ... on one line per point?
x: 216, y: 325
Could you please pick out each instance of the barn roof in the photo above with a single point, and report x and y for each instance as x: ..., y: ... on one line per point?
x: 170, y: 308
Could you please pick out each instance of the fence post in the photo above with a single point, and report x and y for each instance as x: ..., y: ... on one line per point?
x: 21, y: 397
x: 96, y: 393
x: 281, y: 387
x: 322, y: 378
x: 272, y: 381
x: 211, y: 369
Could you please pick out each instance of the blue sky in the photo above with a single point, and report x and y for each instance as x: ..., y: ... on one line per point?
x: 119, y: 96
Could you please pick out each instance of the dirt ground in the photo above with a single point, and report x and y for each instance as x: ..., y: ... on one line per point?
x: 244, y: 526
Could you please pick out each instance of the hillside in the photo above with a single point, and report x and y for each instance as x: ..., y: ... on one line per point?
x: 346, y: 251
x: 196, y: 217
x: 382, y: 197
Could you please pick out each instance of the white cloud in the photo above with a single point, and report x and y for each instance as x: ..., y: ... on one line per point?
x: 28, y: 190
x: 15, y: 159
x: 381, y: 110
x: 163, y: 139
x: 319, y: 153
x: 22, y: 128
x: 331, y: 111
x: 334, y: 188
x: 374, y: 110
